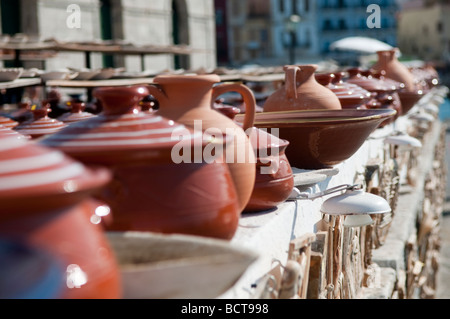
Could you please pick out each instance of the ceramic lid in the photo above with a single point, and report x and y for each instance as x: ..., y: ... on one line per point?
x: 7, y: 122
x: 342, y: 89
x: 41, y: 124
x: 29, y: 169
x: 370, y: 84
x: 76, y: 113
x: 122, y: 127
x: 4, y: 131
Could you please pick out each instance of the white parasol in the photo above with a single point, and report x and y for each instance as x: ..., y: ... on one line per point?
x: 360, y: 44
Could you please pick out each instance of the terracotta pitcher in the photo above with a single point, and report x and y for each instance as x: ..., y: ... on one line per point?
x: 301, y: 91
x: 395, y: 70
x: 188, y: 99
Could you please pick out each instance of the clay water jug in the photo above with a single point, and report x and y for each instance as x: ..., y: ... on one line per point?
x: 395, y: 70
x: 189, y: 99
x: 301, y: 91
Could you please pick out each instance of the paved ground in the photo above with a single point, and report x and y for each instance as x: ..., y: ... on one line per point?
x: 443, y: 277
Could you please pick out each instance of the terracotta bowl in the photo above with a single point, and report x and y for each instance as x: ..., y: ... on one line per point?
x: 322, y: 138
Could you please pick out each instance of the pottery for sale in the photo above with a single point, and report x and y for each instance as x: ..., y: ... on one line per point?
x: 76, y: 113
x: 7, y: 122
x: 350, y: 95
x: 395, y: 70
x: 41, y: 124
x: 385, y: 92
x: 160, y: 266
x: 301, y: 91
x: 274, y: 179
x: 188, y: 99
x: 161, y: 182
x: 322, y: 138
x: 46, y: 203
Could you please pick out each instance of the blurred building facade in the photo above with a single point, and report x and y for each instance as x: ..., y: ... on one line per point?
x: 139, y: 22
x: 259, y: 30
x: 424, y: 30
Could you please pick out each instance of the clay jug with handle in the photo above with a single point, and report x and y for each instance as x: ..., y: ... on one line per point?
x: 395, y: 70
x: 188, y: 99
x: 301, y: 91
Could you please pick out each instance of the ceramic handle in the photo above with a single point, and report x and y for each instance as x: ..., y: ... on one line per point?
x: 291, y: 81
x: 248, y: 96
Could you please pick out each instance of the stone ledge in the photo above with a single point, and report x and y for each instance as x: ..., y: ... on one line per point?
x: 386, y: 286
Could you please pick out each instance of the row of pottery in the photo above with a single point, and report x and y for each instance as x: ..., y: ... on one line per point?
x: 54, y: 246
x: 123, y: 160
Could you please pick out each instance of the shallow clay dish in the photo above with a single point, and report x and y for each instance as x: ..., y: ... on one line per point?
x: 155, y: 266
x: 322, y: 138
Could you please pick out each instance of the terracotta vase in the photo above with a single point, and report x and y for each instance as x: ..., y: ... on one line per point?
x: 159, y: 183
x: 188, y: 100
x: 274, y: 179
x: 46, y: 203
x: 41, y: 124
x: 388, y: 62
x: 301, y: 91
x: 77, y: 113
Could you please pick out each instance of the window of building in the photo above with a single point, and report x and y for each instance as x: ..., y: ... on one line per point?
x: 294, y: 7
x: 281, y: 5
x: 440, y: 27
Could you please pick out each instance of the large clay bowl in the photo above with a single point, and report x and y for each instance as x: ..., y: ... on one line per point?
x: 322, y: 138
x: 177, y: 266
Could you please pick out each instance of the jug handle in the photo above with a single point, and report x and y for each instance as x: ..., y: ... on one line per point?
x: 291, y: 81
x: 157, y: 93
x: 248, y: 96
